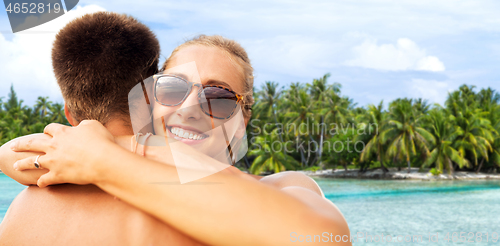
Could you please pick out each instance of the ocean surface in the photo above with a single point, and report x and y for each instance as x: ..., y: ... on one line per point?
x: 8, y: 191
x: 396, y: 212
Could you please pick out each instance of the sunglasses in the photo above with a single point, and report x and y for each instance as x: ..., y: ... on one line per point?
x: 215, y: 101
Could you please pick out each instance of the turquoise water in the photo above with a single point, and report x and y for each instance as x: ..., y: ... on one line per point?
x: 8, y: 191
x: 396, y: 208
x: 401, y: 208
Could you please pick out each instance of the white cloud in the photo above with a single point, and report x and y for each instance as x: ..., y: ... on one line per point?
x: 419, y: 17
x: 430, y: 63
x: 291, y: 55
x: 303, y: 37
x: 405, y: 55
x: 300, y: 40
x: 25, y: 59
x: 434, y: 91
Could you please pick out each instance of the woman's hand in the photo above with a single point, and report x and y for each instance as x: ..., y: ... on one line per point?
x: 72, y: 155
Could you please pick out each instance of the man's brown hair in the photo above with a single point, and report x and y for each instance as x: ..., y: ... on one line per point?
x: 97, y: 59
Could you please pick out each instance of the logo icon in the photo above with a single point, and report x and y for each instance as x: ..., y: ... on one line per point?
x: 25, y: 14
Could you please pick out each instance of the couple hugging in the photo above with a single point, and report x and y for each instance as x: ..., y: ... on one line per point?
x: 97, y: 184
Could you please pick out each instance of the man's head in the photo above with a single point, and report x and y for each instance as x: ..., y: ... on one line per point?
x: 97, y: 59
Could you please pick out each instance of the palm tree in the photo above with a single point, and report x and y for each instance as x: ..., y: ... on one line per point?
x: 347, y: 153
x: 3, y: 130
x: 475, y: 142
x: 477, y: 137
x: 57, y: 113
x: 445, y: 133
x: 268, y: 96
x: 372, y: 123
x: 465, y: 97
x: 299, y: 115
x: 17, y: 119
x: 319, y: 87
x: 488, y: 99
x: 268, y: 158
x: 404, y: 133
x: 1, y: 106
x: 29, y: 113
x: 15, y: 128
x: 42, y: 105
x: 319, y: 90
x: 12, y: 102
x: 495, y: 145
x: 421, y: 107
x: 336, y: 110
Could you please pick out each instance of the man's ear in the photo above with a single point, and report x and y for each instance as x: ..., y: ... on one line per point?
x: 70, y: 118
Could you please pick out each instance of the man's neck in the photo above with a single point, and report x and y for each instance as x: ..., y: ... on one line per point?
x: 119, y: 128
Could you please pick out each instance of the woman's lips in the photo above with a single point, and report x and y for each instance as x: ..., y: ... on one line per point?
x: 186, y: 136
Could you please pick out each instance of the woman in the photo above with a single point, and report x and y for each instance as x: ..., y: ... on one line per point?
x: 225, y: 208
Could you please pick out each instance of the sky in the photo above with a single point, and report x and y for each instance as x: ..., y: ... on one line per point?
x: 377, y: 49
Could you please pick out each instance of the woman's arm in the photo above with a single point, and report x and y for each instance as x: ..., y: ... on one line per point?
x: 30, y: 177
x: 8, y: 157
x: 220, y: 209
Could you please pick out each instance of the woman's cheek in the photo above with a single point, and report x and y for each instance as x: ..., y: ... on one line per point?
x: 161, y: 115
x: 157, y: 124
x: 217, y: 144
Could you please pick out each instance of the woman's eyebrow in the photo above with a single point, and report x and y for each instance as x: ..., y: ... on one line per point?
x: 218, y: 82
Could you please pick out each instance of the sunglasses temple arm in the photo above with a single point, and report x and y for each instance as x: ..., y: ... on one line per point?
x: 228, y: 144
x: 224, y: 131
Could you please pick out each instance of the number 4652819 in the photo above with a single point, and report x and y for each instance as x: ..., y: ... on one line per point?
x: 32, y: 8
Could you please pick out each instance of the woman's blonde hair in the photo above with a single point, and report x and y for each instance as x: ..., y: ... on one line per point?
x: 236, y: 51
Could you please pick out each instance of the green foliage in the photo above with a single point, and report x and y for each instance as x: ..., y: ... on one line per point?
x: 18, y: 120
x: 269, y: 155
x: 435, y: 171
x: 342, y: 148
x: 443, y: 153
x: 372, y: 120
x: 312, y: 169
x: 309, y: 118
x: 403, y: 132
x: 299, y: 126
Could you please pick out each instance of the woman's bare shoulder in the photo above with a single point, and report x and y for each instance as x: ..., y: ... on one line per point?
x: 282, y: 180
x: 292, y: 178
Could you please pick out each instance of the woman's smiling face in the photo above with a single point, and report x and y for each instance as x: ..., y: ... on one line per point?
x: 187, y: 122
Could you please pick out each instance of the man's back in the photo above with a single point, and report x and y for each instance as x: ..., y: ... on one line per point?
x: 81, y: 215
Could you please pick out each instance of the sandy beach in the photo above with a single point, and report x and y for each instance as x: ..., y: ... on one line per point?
x: 403, y: 174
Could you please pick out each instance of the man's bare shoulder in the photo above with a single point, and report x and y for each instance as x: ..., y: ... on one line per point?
x: 82, y: 215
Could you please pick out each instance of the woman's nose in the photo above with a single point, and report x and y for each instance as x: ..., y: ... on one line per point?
x: 190, y: 109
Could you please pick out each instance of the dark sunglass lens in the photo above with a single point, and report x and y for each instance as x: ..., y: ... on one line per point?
x: 171, y: 90
x: 218, y: 102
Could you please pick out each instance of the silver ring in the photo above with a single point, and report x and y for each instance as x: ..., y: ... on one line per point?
x: 37, y: 164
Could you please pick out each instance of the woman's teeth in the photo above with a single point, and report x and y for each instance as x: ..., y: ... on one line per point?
x: 187, y: 134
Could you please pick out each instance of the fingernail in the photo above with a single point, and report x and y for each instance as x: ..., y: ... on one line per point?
x: 16, y: 166
x: 13, y: 145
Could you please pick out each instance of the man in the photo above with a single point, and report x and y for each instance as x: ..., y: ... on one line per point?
x: 97, y: 59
